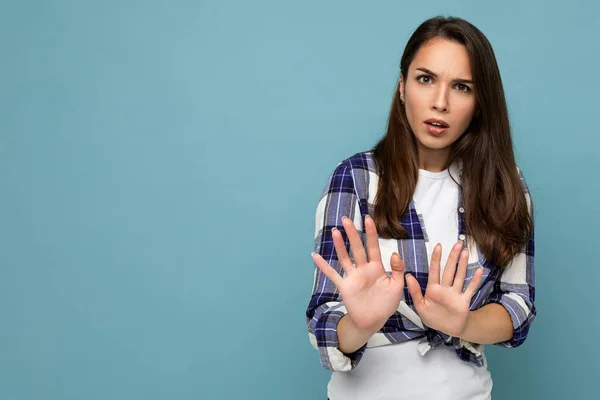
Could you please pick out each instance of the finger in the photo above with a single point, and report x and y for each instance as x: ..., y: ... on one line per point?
x: 356, y: 246
x: 450, y: 269
x: 327, y: 269
x: 398, y: 267
x: 342, y: 253
x: 414, y: 289
x: 474, y: 284
x: 461, y: 273
x: 434, y: 267
x: 373, y: 250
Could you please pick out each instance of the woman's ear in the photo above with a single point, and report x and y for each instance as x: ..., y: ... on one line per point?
x: 401, y: 88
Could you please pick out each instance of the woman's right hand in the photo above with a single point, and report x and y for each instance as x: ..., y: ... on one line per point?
x: 370, y: 296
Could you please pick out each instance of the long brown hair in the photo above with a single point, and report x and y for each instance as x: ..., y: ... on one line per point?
x: 496, y: 211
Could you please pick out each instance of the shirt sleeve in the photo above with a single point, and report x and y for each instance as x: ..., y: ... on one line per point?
x: 515, y: 289
x: 326, y: 306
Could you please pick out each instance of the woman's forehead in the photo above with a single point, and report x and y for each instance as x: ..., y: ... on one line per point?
x: 444, y: 58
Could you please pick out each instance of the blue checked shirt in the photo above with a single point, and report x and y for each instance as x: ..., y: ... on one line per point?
x: 350, y: 192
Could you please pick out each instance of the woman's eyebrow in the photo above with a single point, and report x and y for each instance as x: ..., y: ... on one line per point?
x: 427, y: 71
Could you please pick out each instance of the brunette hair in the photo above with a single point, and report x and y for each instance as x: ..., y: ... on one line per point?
x: 496, y: 211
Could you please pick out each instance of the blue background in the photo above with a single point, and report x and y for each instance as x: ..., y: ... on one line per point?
x: 160, y: 165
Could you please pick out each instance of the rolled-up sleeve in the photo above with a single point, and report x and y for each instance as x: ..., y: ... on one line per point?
x: 515, y: 289
x: 326, y: 306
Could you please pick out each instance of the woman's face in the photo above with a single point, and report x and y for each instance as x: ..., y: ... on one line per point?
x: 438, y: 89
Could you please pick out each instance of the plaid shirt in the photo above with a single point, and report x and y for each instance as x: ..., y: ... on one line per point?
x: 350, y: 192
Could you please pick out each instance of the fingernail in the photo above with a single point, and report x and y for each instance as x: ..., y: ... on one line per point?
x: 334, y: 229
x: 312, y: 253
x: 344, y: 218
x: 368, y: 216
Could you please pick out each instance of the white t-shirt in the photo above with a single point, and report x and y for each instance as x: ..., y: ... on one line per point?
x: 399, y: 371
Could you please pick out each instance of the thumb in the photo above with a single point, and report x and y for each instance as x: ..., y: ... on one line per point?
x: 414, y: 289
x: 397, y: 265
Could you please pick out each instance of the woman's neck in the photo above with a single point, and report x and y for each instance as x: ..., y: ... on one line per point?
x: 434, y: 160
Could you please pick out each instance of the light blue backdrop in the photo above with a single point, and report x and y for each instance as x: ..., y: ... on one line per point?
x: 160, y: 164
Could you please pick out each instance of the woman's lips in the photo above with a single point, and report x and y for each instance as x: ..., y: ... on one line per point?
x: 434, y: 130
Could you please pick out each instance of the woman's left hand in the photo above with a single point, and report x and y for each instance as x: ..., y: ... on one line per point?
x: 445, y: 307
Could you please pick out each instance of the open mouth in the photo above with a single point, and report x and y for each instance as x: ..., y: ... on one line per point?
x: 436, y: 128
x: 436, y: 124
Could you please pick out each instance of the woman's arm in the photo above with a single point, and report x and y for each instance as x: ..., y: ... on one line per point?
x: 351, y: 338
x: 506, y: 317
x: 326, y: 310
x: 487, y: 325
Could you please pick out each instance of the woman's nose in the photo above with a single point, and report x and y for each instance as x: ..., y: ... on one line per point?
x: 440, y: 100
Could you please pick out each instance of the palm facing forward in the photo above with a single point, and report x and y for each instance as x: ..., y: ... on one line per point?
x: 371, y: 296
x: 445, y: 307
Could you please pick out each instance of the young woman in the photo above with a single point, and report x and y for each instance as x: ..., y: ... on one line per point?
x: 424, y: 244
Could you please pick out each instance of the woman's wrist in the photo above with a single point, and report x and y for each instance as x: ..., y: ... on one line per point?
x: 350, y: 337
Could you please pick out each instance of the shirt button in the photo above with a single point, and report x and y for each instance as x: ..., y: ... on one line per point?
x: 461, y: 210
x: 462, y: 237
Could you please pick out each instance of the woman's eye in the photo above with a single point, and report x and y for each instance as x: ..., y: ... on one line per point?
x: 424, y: 79
x: 462, y: 87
